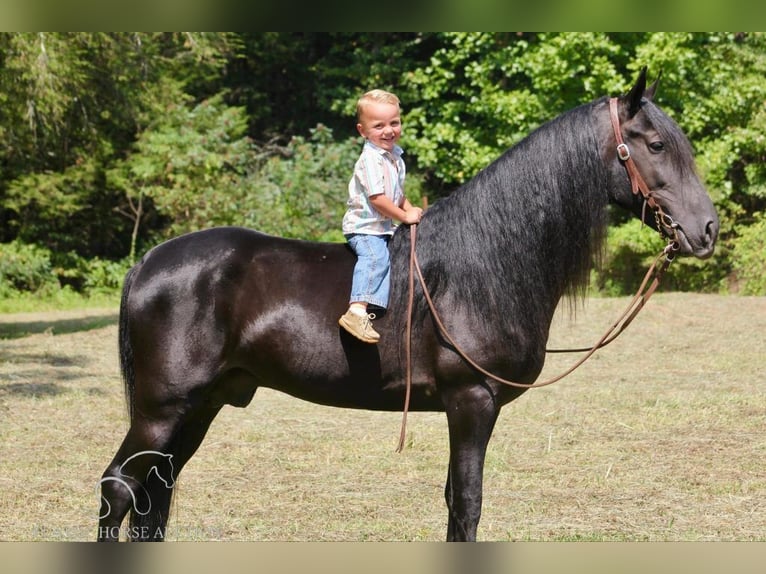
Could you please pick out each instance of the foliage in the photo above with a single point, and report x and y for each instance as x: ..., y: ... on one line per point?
x: 66, y: 210
x: 104, y: 276
x: 72, y: 104
x: 630, y: 249
x: 481, y: 93
x: 74, y: 95
x: 115, y: 141
x: 714, y: 83
x: 28, y: 268
x: 91, y: 275
x: 200, y: 170
x: 301, y: 191
x: 749, y: 257
x: 25, y: 267
x: 189, y: 165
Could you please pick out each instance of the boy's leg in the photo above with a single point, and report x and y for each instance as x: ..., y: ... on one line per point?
x: 370, y: 284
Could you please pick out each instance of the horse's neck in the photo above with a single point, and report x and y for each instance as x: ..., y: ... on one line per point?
x: 538, y: 234
x: 523, y: 231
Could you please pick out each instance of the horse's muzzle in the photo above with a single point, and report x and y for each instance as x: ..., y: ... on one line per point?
x: 700, y: 245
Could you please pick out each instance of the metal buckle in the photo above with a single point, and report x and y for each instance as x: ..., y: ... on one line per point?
x: 667, y: 227
x: 623, y: 152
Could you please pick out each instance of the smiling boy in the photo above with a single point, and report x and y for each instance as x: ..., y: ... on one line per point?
x: 375, y: 199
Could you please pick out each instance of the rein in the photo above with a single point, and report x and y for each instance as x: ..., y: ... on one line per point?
x: 647, y: 288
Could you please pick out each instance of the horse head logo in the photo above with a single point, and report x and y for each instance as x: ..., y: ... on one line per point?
x: 161, y: 465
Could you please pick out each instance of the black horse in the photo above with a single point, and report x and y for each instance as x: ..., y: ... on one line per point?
x: 208, y: 317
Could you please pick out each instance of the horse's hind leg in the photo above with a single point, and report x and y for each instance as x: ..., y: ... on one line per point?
x: 144, y: 451
x: 186, y: 440
x: 142, y: 475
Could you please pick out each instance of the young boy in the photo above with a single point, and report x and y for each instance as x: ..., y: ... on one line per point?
x: 375, y: 198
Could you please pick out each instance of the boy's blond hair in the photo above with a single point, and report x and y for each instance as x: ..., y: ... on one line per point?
x: 378, y: 96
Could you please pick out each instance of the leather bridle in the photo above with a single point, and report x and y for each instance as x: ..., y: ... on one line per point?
x: 665, y: 223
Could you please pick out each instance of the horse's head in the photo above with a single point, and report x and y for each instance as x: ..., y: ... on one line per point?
x: 667, y: 183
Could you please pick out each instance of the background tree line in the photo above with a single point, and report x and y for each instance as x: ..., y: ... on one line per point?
x: 113, y: 142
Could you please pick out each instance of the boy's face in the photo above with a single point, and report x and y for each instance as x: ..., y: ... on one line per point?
x: 380, y: 123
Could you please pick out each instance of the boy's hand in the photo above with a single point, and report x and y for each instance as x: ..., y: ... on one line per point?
x: 406, y: 213
x: 413, y: 215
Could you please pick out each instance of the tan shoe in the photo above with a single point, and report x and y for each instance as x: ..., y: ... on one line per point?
x: 360, y: 326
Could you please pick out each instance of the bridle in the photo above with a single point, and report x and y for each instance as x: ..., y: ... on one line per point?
x: 667, y: 228
x: 665, y: 223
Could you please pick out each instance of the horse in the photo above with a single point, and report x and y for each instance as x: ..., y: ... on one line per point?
x: 208, y: 317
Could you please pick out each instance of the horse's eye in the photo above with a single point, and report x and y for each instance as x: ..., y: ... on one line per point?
x: 657, y: 146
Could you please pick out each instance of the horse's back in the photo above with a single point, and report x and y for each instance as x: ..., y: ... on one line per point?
x: 229, y: 257
x: 226, y: 273
x: 230, y: 301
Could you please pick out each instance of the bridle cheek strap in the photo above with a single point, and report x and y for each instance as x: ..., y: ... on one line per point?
x: 637, y: 183
x: 665, y: 223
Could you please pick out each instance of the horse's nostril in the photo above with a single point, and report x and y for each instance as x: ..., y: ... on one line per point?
x: 711, y: 232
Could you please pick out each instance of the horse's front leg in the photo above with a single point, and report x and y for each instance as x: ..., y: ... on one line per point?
x: 471, y: 416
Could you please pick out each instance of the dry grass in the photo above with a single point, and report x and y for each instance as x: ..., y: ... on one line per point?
x: 659, y: 437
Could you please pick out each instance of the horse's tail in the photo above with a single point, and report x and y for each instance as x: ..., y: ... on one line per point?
x: 126, y: 349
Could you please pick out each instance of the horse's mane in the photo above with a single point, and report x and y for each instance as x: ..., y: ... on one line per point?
x: 525, y: 230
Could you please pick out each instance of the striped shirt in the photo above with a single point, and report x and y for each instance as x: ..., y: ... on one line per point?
x: 376, y: 171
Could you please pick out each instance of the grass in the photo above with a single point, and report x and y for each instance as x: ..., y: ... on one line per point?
x: 659, y: 437
x: 55, y: 300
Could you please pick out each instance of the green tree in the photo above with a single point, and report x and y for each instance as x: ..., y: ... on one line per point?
x: 71, y: 105
x: 479, y: 93
x: 189, y: 165
x: 301, y: 190
x: 113, y: 141
x: 482, y: 92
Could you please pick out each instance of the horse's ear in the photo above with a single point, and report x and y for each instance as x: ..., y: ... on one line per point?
x: 652, y: 90
x: 633, y: 99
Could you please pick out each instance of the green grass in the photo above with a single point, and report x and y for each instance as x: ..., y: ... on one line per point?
x: 659, y: 437
x: 58, y: 300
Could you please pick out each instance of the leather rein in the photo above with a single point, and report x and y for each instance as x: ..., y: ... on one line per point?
x: 650, y: 282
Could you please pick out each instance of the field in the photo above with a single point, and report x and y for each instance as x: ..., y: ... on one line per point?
x: 660, y: 437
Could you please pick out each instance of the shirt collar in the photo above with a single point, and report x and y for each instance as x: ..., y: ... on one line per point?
x: 396, y: 153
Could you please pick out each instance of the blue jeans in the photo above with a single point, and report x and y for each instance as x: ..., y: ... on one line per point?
x: 372, y: 278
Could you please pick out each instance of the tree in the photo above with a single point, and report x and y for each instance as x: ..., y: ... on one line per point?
x: 189, y: 165
x: 112, y: 141
x: 72, y: 104
x: 482, y: 92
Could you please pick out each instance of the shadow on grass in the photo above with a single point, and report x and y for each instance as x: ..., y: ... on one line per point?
x: 57, y: 326
x: 38, y: 390
x: 32, y: 389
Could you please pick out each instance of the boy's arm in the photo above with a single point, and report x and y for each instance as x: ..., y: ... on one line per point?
x: 406, y: 214
x: 408, y: 207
